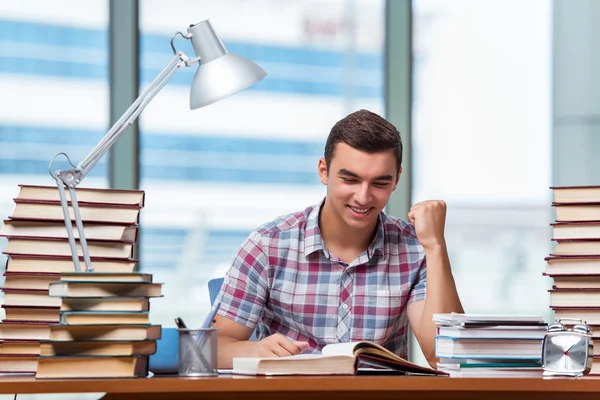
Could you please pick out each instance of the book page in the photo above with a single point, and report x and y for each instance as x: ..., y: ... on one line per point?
x: 340, y: 349
x: 356, y: 348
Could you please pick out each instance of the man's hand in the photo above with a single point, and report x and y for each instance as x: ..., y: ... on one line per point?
x: 429, y: 219
x: 277, y: 345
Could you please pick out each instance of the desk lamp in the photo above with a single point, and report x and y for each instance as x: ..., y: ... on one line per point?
x: 220, y: 74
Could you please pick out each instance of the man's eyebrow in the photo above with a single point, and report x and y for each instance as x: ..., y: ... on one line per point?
x: 345, y: 172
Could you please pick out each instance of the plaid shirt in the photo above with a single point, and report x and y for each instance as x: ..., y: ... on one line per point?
x: 284, y: 280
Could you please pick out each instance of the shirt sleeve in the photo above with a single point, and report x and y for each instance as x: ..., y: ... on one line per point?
x: 245, y: 286
x: 418, y: 290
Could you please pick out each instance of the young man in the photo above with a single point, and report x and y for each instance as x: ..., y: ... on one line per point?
x: 342, y: 270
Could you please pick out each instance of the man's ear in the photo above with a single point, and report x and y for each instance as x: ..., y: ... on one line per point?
x: 398, y: 178
x: 322, y: 168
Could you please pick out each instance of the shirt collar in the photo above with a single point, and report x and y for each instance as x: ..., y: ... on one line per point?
x: 378, y: 242
x: 313, y: 241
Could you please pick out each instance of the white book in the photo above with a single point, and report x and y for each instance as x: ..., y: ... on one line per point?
x: 447, y: 347
x: 495, y: 332
x: 336, y: 359
x: 498, y: 319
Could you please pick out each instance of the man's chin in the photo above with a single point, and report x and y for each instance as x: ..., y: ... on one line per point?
x: 360, y: 223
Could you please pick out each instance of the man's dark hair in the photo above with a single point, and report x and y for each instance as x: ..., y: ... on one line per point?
x: 364, y: 131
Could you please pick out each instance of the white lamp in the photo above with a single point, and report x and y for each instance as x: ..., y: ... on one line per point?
x: 220, y: 74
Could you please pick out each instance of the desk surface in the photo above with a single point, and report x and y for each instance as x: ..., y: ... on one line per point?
x: 312, y: 387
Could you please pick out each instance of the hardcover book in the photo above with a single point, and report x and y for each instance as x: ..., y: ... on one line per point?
x: 98, y: 348
x: 336, y: 359
x: 58, y: 264
x: 105, y: 288
x: 57, y: 230
x: 84, y: 195
x: 52, y: 211
x: 91, y: 367
x: 576, y: 194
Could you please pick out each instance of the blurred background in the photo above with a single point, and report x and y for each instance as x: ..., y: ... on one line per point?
x: 496, y: 100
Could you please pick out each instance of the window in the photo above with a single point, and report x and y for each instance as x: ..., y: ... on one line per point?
x: 213, y: 175
x: 481, y: 137
x: 54, y: 85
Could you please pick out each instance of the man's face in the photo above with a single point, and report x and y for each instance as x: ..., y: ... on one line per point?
x: 359, y: 184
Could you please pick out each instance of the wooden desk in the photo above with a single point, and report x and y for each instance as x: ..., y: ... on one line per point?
x: 314, y: 388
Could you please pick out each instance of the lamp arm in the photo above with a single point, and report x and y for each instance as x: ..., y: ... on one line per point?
x: 72, y: 177
x: 129, y: 117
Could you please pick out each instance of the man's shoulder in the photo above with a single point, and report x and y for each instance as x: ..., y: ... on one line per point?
x: 397, y: 230
x: 286, y: 223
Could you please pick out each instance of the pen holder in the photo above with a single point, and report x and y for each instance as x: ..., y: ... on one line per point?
x: 198, y: 352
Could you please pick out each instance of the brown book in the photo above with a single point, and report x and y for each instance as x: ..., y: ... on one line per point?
x: 577, y: 247
x: 57, y: 264
x: 114, y: 303
x: 92, y: 367
x: 22, y: 363
x: 104, y: 289
x: 576, y: 194
x: 576, y: 230
x: 29, y: 280
x: 84, y: 195
x: 29, y: 347
x: 62, y: 333
x: 91, y: 348
x: 29, y: 297
x: 595, y: 370
x: 569, y: 265
x: 52, y: 211
x: 57, y: 230
x: 30, y: 313
x: 24, y: 331
x: 574, y: 212
x: 575, y: 297
x: 61, y: 247
x: 103, y: 318
x: 590, y: 315
x: 105, y: 277
x: 576, y: 281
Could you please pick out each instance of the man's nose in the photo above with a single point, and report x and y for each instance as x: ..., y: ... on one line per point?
x: 363, y: 195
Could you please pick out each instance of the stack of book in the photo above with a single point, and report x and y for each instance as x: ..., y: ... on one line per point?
x: 470, y: 345
x: 574, y: 264
x: 38, y: 251
x: 104, y: 329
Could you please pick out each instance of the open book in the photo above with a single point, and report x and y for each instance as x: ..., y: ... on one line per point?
x: 336, y: 359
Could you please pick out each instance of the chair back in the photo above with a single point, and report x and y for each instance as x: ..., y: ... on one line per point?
x: 214, y: 286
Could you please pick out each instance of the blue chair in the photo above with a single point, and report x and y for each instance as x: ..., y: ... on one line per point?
x: 214, y: 287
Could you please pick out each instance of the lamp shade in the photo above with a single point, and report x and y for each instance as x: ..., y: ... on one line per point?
x: 220, y: 74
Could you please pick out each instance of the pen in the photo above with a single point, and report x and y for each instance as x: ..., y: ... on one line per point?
x: 180, y: 324
x: 211, y: 316
x: 208, y: 322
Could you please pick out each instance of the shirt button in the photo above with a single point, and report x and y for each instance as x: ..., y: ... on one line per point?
x: 345, y: 306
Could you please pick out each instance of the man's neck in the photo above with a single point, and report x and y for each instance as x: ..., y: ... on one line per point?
x: 341, y: 238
